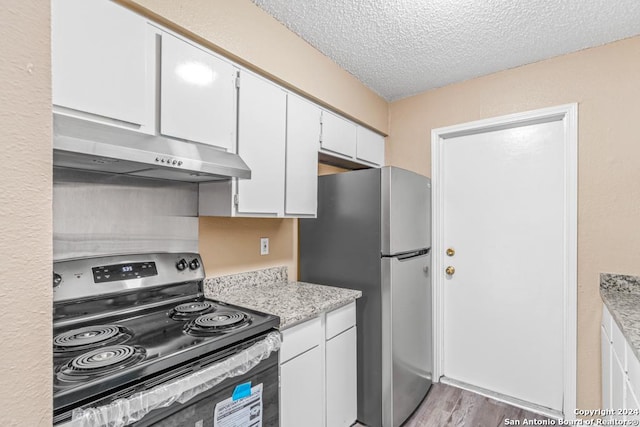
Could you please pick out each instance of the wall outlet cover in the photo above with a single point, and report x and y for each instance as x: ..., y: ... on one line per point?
x: 264, y: 246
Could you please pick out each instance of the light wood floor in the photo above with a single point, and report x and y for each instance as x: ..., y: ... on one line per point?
x: 450, y: 406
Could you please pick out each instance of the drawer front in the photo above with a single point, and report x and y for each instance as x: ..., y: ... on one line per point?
x: 340, y: 319
x: 300, y: 338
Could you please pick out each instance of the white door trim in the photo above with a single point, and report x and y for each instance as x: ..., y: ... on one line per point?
x: 569, y: 115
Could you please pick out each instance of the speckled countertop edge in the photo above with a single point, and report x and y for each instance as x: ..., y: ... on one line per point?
x: 269, y: 291
x: 621, y: 295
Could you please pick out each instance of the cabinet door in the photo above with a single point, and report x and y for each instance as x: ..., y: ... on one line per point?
x: 99, y: 60
x: 197, y: 95
x: 631, y: 406
x: 301, y: 391
x: 618, y: 384
x: 262, y: 119
x: 606, y: 369
x: 338, y: 135
x: 303, y: 135
x: 341, y: 379
x: 370, y: 146
x: 633, y: 371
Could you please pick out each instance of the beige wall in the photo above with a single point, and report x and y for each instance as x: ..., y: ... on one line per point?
x: 324, y: 169
x: 245, y: 32
x: 25, y: 210
x: 232, y: 245
x: 605, y: 81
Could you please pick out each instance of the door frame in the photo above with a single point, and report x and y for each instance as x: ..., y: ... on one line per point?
x: 568, y: 114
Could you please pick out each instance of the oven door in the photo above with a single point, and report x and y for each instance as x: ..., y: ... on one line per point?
x: 260, y: 408
x: 238, y: 387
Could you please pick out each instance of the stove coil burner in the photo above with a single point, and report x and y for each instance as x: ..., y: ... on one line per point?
x: 218, y: 322
x: 99, y: 362
x: 89, y: 337
x: 190, y: 310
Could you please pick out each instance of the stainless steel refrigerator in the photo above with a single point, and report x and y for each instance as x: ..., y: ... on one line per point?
x: 373, y: 233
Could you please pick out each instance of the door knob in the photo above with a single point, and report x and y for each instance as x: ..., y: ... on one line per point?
x: 450, y: 270
x: 451, y: 252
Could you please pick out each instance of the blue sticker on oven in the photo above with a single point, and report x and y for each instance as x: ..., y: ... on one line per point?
x: 243, y: 409
x: 241, y: 390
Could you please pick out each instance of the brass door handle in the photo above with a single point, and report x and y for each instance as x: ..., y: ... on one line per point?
x: 450, y: 270
x: 451, y: 252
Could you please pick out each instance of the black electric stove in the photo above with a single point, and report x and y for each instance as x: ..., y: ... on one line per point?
x: 127, y: 323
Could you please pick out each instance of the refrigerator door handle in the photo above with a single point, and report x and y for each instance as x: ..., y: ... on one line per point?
x: 408, y: 255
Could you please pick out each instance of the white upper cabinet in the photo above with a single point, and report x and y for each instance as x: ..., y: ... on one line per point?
x: 338, y: 135
x: 197, y: 94
x: 343, y: 139
x: 262, y: 113
x: 370, y: 147
x: 278, y: 136
x: 100, y: 61
x: 303, y: 136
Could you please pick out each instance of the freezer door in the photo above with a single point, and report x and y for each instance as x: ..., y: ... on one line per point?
x: 407, y: 336
x: 406, y: 210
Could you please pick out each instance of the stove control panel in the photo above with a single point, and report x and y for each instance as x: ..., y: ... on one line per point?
x: 98, y: 276
x: 130, y: 270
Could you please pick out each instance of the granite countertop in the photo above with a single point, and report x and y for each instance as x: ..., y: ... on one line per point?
x: 621, y: 295
x: 270, y: 291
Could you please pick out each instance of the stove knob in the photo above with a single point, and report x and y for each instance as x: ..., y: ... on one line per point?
x: 194, y: 264
x: 56, y: 279
x: 182, y: 264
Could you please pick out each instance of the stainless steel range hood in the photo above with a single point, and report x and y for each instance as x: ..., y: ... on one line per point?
x: 80, y: 144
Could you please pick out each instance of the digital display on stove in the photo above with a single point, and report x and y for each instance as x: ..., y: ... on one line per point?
x: 117, y: 272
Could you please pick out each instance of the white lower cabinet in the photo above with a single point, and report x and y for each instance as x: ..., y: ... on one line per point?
x: 617, y: 385
x: 301, y: 390
x: 620, y: 373
x: 318, y: 371
x: 341, y: 365
x: 606, y: 371
x: 631, y: 405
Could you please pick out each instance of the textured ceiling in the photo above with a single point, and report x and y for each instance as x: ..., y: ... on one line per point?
x: 402, y: 47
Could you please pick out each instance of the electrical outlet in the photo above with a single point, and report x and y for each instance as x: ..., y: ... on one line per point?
x: 264, y: 246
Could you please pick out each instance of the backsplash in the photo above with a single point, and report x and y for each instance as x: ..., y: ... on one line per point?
x: 217, y: 286
x: 103, y: 214
x: 620, y: 282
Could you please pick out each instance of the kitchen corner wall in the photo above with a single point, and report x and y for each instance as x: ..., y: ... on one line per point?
x: 25, y: 190
x: 242, y: 31
x: 605, y: 82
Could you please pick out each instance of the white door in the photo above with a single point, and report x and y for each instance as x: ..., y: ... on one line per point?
x: 504, y: 214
